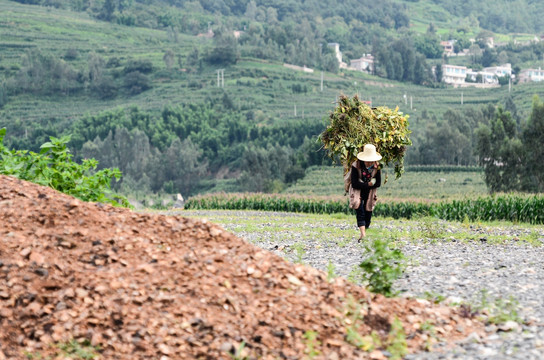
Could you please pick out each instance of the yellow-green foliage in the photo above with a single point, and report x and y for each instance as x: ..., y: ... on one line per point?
x: 353, y: 124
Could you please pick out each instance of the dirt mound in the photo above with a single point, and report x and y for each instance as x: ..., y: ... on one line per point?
x: 125, y: 285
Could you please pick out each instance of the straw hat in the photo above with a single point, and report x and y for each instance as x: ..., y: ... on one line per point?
x: 369, y: 154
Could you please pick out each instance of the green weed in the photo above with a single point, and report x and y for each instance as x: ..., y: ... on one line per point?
x: 533, y: 239
x: 300, y: 251
x: 352, y: 318
x: 497, y: 310
x: 428, y: 329
x: 238, y: 355
x: 382, y: 266
x: 331, y: 275
x: 431, y: 229
x: 396, y: 341
x: 433, y: 297
x: 78, y: 350
x: 35, y: 356
x: 311, y: 343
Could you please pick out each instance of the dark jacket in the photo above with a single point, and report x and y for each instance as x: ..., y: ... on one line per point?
x: 360, y: 179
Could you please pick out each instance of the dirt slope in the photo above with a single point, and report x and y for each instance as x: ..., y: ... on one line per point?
x: 145, y: 286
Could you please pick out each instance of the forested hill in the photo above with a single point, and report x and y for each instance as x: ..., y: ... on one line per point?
x: 189, y: 96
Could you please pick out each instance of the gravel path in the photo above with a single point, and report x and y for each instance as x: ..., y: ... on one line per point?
x: 448, y: 268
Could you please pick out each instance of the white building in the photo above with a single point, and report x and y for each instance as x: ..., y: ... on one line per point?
x: 501, y: 70
x: 453, y: 74
x: 486, y: 77
x: 365, y: 63
x: 337, y: 52
x: 531, y: 75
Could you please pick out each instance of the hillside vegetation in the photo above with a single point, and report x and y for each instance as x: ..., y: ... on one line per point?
x: 141, y: 86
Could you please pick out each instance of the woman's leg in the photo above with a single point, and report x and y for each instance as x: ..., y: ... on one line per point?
x: 368, y: 217
x: 360, y: 212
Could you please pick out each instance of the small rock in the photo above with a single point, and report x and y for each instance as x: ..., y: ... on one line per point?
x: 164, y: 349
x: 215, y: 232
x: 377, y: 355
x: 473, y: 338
x: 227, y: 347
x: 510, y: 325
x: 294, y: 280
x: 37, y: 258
x: 487, y: 353
x: 81, y: 293
x: 25, y: 252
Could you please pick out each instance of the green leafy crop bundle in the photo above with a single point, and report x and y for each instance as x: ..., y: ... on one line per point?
x: 353, y: 124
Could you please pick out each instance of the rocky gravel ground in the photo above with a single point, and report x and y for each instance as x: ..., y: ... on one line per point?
x: 87, y: 280
x: 496, y: 269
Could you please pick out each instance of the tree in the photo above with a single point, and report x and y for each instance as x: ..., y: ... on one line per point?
x: 476, y: 53
x: 136, y: 82
x: 183, y: 165
x: 225, y: 50
x: 438, y: 73
x: 429, y: 45
x: 489, y: 57
x: 168, y: 58
x: 96, y: 65
x: 107, y: 10
x: 251, y: 10
x: 3, y: 95
x: 44, y: 73
x: 501, y: 153
x: 533, y: 138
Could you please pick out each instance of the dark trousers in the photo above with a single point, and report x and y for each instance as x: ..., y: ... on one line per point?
x: 363, y: 216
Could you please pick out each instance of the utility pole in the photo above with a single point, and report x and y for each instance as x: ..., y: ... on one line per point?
x: 295, y: 110
x: 410, y: 102
x: 220, y: 78
x: 461, y: 98
x: 321, y: 79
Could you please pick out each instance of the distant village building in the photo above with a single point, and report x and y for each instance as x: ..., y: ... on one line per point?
x: 488, y: 77
x: 501, y: 70
x: 489, y: 41
x: 461, y: 75
x: 448, y: 46
x: 338, y: 53
x: 528, y: 75
x: 365, y: 63
x: 472, y: 75
x: 454, y: 74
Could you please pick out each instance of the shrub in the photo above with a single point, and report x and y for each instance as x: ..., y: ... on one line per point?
x: 382, y: 266
x: 54, y: 167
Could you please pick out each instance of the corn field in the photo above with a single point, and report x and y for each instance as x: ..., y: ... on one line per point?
x: 515, y: 208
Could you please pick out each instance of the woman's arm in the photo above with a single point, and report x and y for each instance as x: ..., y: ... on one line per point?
x: 378, y: 179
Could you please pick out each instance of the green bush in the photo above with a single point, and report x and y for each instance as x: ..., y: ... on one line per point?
x: 54, y: 167
x: 382, y: 266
